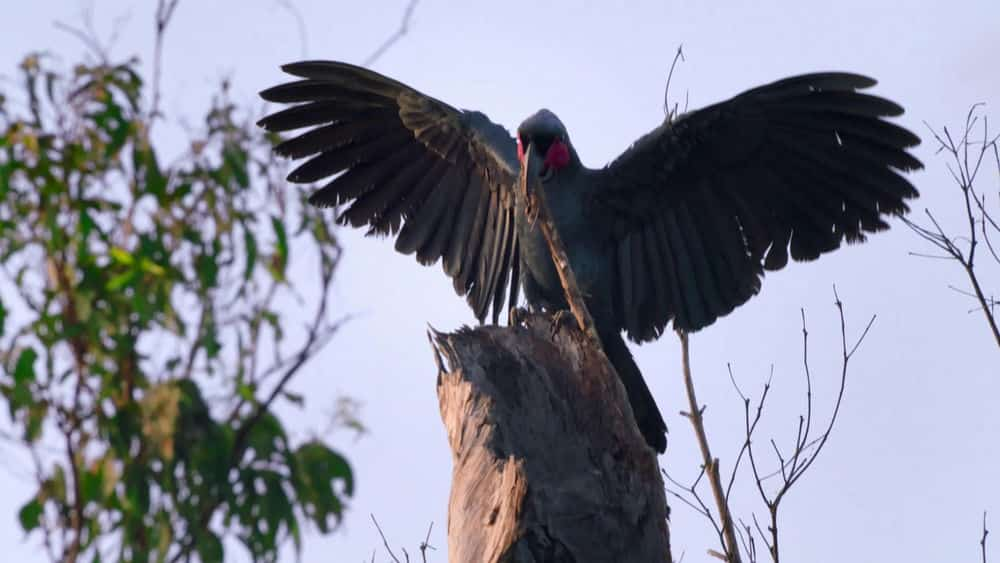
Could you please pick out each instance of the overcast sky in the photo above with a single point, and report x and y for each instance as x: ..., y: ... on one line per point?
x: 913, y: 460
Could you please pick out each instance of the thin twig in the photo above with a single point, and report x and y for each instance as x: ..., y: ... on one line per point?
x: 164, y: 11
x: 88, y: 34
x: 671, y: 113
x: 964, y: 166
x: 806, y: 447
x: 982, y: 540
x: 300, y: 22
x: 751, y: 426
x: 404, y: 28
x: 385, y: 542
x: 692, y: 490
x: 76, y: 515
x: 425, y: 545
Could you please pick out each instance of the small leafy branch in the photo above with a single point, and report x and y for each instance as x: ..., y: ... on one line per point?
x: 146, y: 329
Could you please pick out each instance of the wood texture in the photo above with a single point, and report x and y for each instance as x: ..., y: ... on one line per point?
x: 548, y: 463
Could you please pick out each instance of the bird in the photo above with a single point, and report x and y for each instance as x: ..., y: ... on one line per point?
x: 679, y: 229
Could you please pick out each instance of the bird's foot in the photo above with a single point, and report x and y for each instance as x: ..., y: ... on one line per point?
x: 517, y: 315
x: 560, y: 319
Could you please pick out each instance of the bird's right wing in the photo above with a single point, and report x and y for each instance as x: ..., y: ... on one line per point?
x: 439, y: 178
x: 703, y: 204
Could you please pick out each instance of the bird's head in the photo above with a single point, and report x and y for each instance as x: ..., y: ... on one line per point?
x: 547, y: 137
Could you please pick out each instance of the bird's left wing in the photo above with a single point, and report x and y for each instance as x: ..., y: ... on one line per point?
x: 705, y: 203
x: 439, y: 178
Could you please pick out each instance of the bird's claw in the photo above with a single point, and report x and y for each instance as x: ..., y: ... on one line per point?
x: 517, y: 315
x: 561, y: 318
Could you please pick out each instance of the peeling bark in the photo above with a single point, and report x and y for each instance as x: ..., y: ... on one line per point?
x: 548, y: 462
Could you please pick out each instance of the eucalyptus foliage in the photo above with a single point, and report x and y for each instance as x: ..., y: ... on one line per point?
x: 144, y: 338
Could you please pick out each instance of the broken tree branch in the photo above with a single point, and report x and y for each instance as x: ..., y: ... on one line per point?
x: 548, y: 462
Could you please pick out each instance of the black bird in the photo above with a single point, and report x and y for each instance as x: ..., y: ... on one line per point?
x: 679, y: 228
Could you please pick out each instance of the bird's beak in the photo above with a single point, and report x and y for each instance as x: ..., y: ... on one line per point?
x: 531, y: 166
x: 535, y: 166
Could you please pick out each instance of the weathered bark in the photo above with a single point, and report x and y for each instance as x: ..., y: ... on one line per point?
x: 548, y: 462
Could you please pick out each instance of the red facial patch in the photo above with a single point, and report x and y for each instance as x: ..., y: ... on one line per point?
x: 558, y: 155
x: 520, y: 150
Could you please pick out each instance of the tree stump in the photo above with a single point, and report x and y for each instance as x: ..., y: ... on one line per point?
x: 549, y: 465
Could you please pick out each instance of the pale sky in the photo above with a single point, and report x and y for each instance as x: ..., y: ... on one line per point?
x: 912, y: 463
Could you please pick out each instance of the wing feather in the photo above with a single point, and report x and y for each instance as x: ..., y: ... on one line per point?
x: 717, y: 196
x: 406, y: 164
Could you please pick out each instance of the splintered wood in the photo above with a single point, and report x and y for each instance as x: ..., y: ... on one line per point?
x: 548, y: 463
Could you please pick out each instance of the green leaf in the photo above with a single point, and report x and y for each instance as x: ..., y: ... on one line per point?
x: 109, y: 474
x: 24, y: 370
x: 150, y: 267
x: 208, y: 270
x: 156, y: 183
x: 281, y: 247
x: 120, y: 255
x: 209, y: 547
x: 37, y: 411
x: 210, y: 341
x: 30, y: 515
x: 317, y: 469
x: 87, y: 224
x: 90, y: 484
x: 56, y: 485
x: 236, y: 160
x: 296, y: 398
x: 246, y: 392
x: 3, y: 317
x: 274, y: 321
x: 250, y: 243
x: 116, y: 283
x: 266, y: 436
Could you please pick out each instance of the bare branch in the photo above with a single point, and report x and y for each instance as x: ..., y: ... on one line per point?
x: 300, y: 22
x: 966, y: 156
x: 404, y: 28
x: 425, y: 545
x: 88, y: 35
x: 692, y: 490
x: 76, y: 516
x: 385, y: 542
x: 671, y: 113
x: 164, y: 12
x: 806, y: 448
x: 982, y: 540
x: 751, y: 426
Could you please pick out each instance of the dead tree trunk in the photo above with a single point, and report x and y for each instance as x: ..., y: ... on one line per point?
x: 549, y: 465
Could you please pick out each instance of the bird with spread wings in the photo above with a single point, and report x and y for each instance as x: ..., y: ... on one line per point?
x: 677, y: 229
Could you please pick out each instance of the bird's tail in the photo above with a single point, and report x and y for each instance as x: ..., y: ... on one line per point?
x: 647, y: 414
